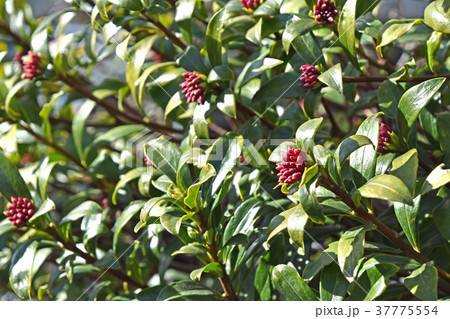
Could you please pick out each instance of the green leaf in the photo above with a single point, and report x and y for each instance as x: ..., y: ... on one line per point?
x: 346, y: 27
x: 86, y: 208
x: 267, y: 8
x: 372, y: 281
x: 306, y: 132
x: 212, y: 268
x: 333, y: 285
x: 220, y: 73
x: 351, y: 249
x: 389, y: 94
x: 44, y: 175
x: 333, y: 78
x: 223, y: 155
x: 441, y: 218
x: 437, y: 178
x: 226, y: 102
x: 183, y: 17
x: 308, y: 48
x: 363, y: 160
x: 414, y: 100
x: 296, y: 28
x: 25, y: 263
x: 326, y: 257
x: 243, y: 218
x: 135, y: 5
x: 192, y: 199
x: 437, y: 16
x: 172, y: 218
x: 186, y: 290
x: 296, y: 219
x: 423, y: 282
x: 132, y: 209
x: 197, y: 250
x: 386, y: 187
x: 214, y: 37
x: 394, y: 29
x: 349, y: 145
x: 291, y: 285
x: 12, y: 183
x: 282, y: 86
x: 310, y: 205
x: 263, y: 280
x: 433, y: 44
x: 125, y: 179
x: 405, y: 167
x: 192, y: 60
x: 279, y: 151
x: 406, y: 216
x: 46, y: 207
x: 165, y: 156
x: 78, y: 128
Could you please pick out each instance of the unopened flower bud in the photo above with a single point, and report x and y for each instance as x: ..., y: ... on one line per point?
x: 192, y: 87
x: 251, y: 5
x: 19, y: 211
x: 30, y: 64
x: 309, y: 76
x: 292, y: 167
x: 325, y: 11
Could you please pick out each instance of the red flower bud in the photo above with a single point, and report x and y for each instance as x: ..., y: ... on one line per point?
x: 30, y: 64
x: 384, y: 138
x: 309, y: 76
x: 250, y: 4
x: 18, y: 58
x: 148, y: 162
x: 292, y: 167
x: 192, y: 89
x: 19, y: 211
x: 325, y: 11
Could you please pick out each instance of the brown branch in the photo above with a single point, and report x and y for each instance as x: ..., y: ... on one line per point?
x: 224, y: 279
x: 383, y: 229
x: 91, y: 259
x: 361, y: 79
x: 172, y: 37
x: 335, y: 130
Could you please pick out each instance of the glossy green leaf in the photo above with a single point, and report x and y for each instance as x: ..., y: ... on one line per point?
x: 346, y: 27
x: 386, y: 187
x: 128, y: 4
x: 212, y: 268
x: 132, y: 209
x: 226, y: 103
x: 214, y: 37
x: 423, y: 282
x: 78, y: 127
x: 414, y: 100
x: 394, y: 29
x: 12, y: 183
x: 192, y: 199
x: 406, y: 216
x: 363, y: 160
x: 46, y: 207
x: 441, y: 218
x: 333, y: 78
x: 291, y: 285
x: 172, y: 218
x: 183, y: 16
x: 437, y: 16
x: 243, y: 218
x: 308, y: 48
x: 165, y: 156
x: 433, y: 44
x: 125, y: 179
x: 296, y: 219
x: 310, y: 205
x: 389, y: 94
x: 282, y: 86
x: 349, y: 145
x: 333, y: 285
x: 192, y: 60
x: 220, y: 73
x: 351, y: 249
x: 267, y: 8
x: 187, y: 290
x: 296, y: 28
x: 405, y: 167
x: 197, y: 250
x: 327, y: 257
x: 86, y: 208
x: 306, y: 132
x: 437, y: 178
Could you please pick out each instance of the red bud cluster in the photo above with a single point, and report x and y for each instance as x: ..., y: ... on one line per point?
x: 292, y: 167
x: 325, y: 11
x: 30, y: 65
x: 384, y: 138
x: 19, y: 211
x: 192, y: 89
x: 250, y: 4
x: 148, y: 162
x: 309, y: 76
x: 18, y: 57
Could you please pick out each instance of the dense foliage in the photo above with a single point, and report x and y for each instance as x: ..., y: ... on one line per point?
x: 214, y: 150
